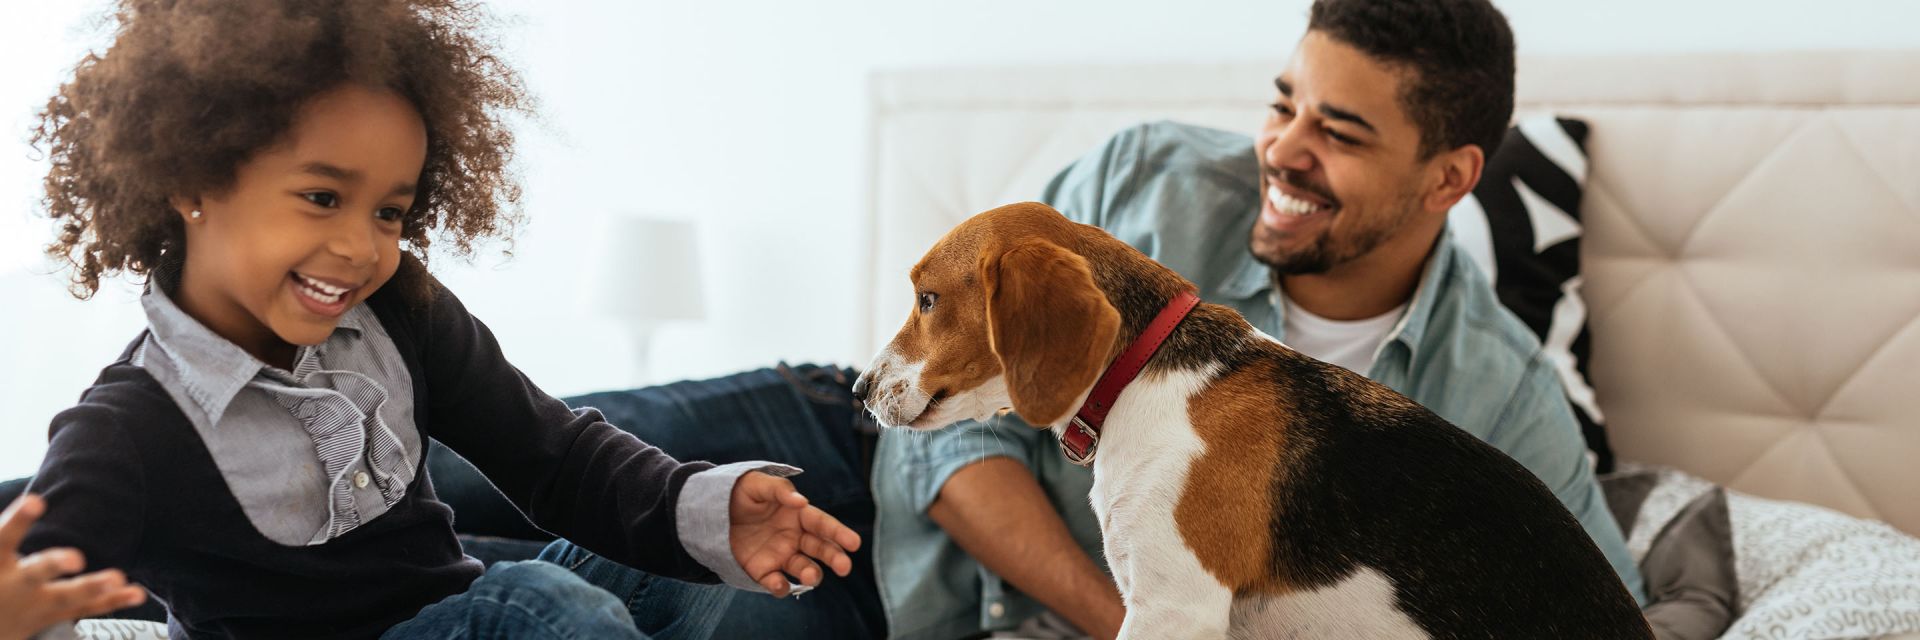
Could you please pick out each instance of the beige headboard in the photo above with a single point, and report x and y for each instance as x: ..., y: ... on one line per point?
x: 1752, y: 244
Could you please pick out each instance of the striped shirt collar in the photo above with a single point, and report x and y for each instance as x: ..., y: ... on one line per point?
x: 213, y: 369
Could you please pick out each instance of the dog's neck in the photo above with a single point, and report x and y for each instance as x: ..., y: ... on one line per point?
x: 1138, y: 288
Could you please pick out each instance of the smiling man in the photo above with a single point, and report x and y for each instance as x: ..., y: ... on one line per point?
x: 1326, y: 230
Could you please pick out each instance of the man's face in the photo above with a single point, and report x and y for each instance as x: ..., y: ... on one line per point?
x: 1340, y: 171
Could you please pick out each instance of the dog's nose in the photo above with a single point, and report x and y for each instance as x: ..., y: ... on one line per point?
x: 860, y: 388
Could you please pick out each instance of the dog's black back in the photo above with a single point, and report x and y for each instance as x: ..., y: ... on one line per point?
x: 1474, y: 543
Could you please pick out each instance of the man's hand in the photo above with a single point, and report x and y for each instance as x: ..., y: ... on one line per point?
x: 33, y: 593
x: 774, y: 530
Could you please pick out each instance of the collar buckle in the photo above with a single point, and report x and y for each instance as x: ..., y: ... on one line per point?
x: 1082, y: 434
x: 1079, y: 442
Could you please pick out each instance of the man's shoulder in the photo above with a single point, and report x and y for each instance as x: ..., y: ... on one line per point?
x: 1470, y: 331
x: 1171, y: 144
x: 1193, y: 157
x: 1476, y: 366
x: 1178, y: 192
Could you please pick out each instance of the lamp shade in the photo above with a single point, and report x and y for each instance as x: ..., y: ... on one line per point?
x: 648, y: 271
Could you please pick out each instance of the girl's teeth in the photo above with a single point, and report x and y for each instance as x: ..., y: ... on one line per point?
x: 322, y: 286
x: 324, y: 298
x: 320, y: 292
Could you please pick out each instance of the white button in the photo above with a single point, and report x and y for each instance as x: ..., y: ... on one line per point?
x: 996, y: 609
x: 360, y: 480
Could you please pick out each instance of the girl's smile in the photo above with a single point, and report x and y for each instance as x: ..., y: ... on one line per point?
x: 324, y: 297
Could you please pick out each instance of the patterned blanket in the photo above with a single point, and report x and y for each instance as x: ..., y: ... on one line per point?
x: 1719, y: 563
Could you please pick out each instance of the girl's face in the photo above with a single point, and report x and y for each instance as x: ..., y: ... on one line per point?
x: 311, y: 226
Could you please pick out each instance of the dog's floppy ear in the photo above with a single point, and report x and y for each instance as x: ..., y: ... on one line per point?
x: 1049, y: 325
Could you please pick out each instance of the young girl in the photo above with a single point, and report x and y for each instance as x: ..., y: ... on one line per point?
x: 276, y: 170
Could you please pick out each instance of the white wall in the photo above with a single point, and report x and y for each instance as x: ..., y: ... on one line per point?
x: 746, y: 116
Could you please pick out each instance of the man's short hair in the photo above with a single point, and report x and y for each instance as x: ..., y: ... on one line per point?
x: 1460, y: 53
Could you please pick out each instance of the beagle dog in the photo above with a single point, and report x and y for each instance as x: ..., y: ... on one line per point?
x: 1243, y: 490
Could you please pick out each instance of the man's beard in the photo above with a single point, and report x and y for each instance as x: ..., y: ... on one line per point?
x: 1326, y: 252
x: 1312, y: 259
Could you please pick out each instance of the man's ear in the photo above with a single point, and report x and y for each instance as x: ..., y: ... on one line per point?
x: 1457, y: 173
x: 1050, y: 326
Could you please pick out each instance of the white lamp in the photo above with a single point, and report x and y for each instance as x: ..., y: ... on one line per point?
x: 648, y: 275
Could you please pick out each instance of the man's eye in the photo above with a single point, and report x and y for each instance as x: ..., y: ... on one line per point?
x: 1341, y: 138
x: 389, y: 214
x: 1282, y: 110
x: 323, y: 198
x: 927, y: 300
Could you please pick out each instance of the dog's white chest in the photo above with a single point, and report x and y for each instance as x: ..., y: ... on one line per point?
x: 1145, y: 453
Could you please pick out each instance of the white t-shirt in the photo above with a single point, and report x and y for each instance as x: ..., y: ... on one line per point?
x: 1349, y: 343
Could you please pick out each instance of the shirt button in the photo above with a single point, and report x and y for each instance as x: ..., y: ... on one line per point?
x: 360, y: 480
x: 996, y: 609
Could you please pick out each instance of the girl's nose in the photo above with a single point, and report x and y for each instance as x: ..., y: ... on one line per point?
x: 359, y: 244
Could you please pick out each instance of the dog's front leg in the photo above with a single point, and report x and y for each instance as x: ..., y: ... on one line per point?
x: 1167, y: 592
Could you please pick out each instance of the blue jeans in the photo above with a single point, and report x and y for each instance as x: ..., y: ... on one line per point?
x: 571, y: 593
x: 803, y: 416
x: 668, y: 609
x: 533, y: 599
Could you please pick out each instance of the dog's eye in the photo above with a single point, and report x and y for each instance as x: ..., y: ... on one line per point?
x: 927, y: 300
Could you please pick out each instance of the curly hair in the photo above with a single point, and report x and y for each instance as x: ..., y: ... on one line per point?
x: 1461, y: 55
x: 190, y: 90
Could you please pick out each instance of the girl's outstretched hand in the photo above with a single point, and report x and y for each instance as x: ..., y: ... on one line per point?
x: 777, y: 536
x: 35, y: 592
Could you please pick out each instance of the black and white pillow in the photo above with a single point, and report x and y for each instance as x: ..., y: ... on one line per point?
x: 1522, y: 226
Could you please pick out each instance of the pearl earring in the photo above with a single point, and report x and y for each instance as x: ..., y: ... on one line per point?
x: 194, y: 214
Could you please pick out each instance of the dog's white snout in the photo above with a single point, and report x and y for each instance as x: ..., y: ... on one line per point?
x: 891, y: 391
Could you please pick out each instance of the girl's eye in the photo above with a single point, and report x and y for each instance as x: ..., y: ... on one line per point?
x: 323, y: 198
x: 1340, y: 138
x: 389, y: 214
x: 927, y: 300
x: 1282, y: 110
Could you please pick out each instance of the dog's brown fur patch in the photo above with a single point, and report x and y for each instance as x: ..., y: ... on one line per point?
x: 1226, y: 507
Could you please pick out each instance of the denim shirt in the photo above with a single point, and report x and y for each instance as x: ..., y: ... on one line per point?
x: 1188, y: 197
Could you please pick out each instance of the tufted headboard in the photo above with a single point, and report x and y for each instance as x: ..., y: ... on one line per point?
x: 1752, y: 249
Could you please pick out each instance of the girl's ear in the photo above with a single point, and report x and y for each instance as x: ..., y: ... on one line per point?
x: 188, y: 208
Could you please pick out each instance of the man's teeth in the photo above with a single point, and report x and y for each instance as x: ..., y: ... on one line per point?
x: 1290, y: 205
x: 321, y: 291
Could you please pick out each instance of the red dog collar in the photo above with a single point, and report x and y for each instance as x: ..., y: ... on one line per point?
x: 1083, y: 433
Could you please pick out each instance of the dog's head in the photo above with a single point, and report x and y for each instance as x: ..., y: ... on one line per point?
x: 1006, y: 315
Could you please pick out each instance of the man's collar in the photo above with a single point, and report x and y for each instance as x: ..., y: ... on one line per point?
x: 1254, y: 278
x: 213, y: 369
x: 1426, y: 295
